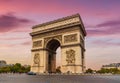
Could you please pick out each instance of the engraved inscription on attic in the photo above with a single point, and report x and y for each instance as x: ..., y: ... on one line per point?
x: 37, y: 43
x: 70, y: 38
x: 70, y: 57
x: 55, y: 33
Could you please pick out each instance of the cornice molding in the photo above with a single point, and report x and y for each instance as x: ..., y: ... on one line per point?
x: 54, y: 21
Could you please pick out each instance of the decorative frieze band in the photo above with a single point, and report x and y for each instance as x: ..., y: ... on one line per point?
x: 62, y: 31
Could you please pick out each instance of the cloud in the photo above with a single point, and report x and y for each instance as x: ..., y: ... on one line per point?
x: 10, y: 22
x: 109, y: 23
x: 94, y: 32
x: 5, y: 46
x: 13, y: 38
x: 105, y: 43
x: 105, y: 29
x: 26, y: 43
x: 40, y: 7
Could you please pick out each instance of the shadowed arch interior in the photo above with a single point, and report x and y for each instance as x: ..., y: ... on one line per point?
x: 52, y: 47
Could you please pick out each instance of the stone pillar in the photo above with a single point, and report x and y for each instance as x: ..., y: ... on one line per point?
x: 71, y: 59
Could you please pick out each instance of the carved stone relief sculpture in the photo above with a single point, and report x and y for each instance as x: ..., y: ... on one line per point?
x: 70, y: 38
x: 36, y: 58
x: 70, y: 57
x: 37, y: 43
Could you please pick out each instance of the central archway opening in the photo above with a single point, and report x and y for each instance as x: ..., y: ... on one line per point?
x: 53, y: 47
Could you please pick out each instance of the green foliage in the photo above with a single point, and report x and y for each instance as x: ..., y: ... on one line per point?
x: 111, y: 70
x: 4, y: 69
x: 17, y: 68
x: 89, y: 70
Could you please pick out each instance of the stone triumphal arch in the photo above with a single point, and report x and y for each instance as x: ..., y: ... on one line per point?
x: 69, y: 34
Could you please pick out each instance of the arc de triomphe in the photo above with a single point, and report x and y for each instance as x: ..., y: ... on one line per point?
x: 69, y: 34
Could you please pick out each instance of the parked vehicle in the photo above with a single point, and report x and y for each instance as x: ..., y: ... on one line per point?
x: 31, y: 73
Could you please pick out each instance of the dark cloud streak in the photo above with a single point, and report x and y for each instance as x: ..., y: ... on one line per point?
x: 109, y: 23
x: 105, y: 43
x: 26, y: 43
x: 9, y: 22
x: 106, y: 28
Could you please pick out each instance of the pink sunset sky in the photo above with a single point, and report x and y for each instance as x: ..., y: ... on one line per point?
x: 101, y: 19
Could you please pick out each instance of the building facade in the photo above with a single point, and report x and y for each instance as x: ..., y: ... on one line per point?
x: 112, y: 65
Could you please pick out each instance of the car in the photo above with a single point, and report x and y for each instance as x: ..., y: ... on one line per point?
x: 31, y: 73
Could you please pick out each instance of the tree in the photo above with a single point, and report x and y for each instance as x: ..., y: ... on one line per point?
x: 89, y: 70
x: 17, y: 68
x: 111, y: 70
